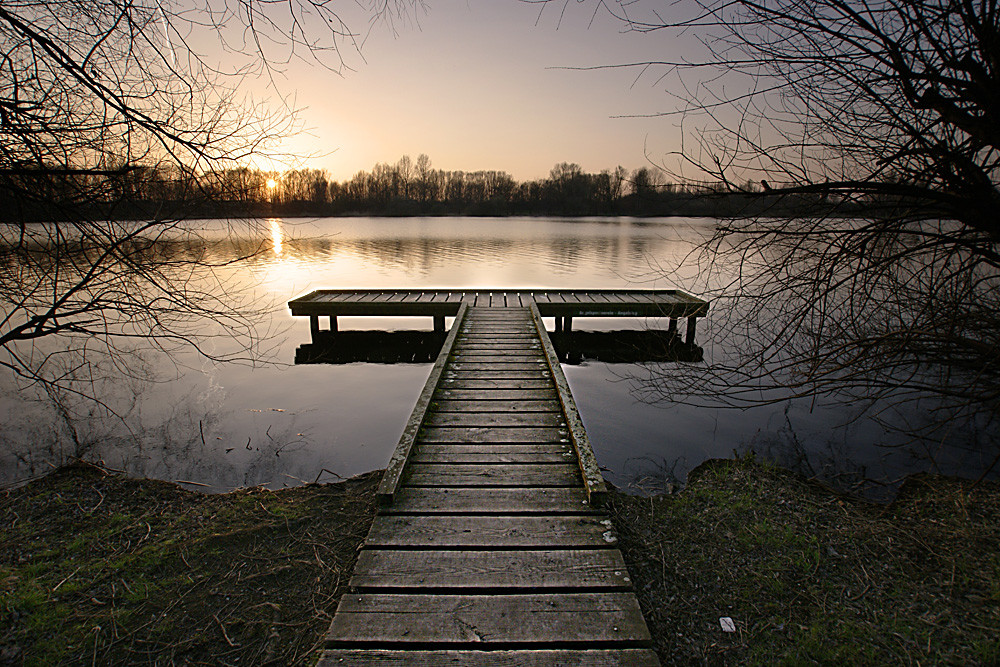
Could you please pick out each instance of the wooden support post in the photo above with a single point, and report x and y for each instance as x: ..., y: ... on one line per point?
x: 692, y: 323
x: 439, y: 323
x: 333, y: 323
x: 559, y: 325
x: 672, y: 327
x: 314, y: 327
x: 567, y: 324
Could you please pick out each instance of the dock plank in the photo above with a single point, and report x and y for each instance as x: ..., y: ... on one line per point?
x: 492, y: 532
x: 428, y: 500
x: 488, y: 455
x: 526, y: 570
x: 378, y: 618
x: 626, y: 657
x: 472, y: 395
x: 455, y: 448
x: 463, y: 346
x: 561, y: 473
x: 505, y: 419
x: 486, y: 405
x: 495, y: 374
x: 463, y: 356
x: 487, y: 434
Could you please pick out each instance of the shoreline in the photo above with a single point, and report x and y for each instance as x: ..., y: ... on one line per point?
x: 96, y: 566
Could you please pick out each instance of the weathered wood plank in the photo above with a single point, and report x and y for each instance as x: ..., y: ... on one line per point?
x: 497, y: 317
x: 563, y: 568
x: 485, y: 434
x: 493, y: 394
x: 523, y: 345
x: 394, y: 471
x: 494, y: 532
x: 501, y: 355
x: 466, y: 346
x: 425, y: 500
x: 473, y: 383
x: 496, y: 620
x: 499, y: 314
x: 485, y: 360
x: 496, y: 374
x: 483, y: 333
x: 454, y: 449
x: 495, y: 338
x: 440, y: 405
x: 628, y: 657
x: 562, y: 473
x: 487, y: 454
x: 501, y: 419
x: 590, y: 471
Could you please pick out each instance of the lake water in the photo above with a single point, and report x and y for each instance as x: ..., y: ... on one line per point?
x: 220, y: 426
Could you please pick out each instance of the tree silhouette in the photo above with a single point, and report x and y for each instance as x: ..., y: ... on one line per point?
x: 103, y: 103
x: 890, y: 107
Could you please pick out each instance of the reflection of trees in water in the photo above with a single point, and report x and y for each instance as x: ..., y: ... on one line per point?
x: 903, y: 331
x: 888, y: 107
x: 562, y: 254
x: 135, y: 429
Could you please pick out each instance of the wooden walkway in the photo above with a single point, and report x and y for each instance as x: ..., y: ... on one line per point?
x: 491, y: 548
x: 563, y: 305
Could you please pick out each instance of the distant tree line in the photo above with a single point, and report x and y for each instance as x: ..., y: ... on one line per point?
x: 405, y: 188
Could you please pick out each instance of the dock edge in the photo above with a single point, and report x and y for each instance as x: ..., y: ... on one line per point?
x: 393, y: 476
x: 590, y: 471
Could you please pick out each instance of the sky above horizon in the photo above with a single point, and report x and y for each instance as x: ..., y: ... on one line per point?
x: 483, y: 84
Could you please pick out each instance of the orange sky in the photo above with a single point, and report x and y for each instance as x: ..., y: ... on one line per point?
x: 477, y: 84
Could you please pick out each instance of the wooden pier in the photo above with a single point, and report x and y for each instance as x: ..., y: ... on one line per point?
x: 491, y: 547
x: 563, y: 305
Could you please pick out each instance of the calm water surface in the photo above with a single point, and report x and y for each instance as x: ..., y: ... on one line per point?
x: 230, y: 425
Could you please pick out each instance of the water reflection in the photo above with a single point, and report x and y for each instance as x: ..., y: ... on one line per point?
x: 277, y: 235
x: 277, y: 424
x: 574, y: 347
x: 374, y: 347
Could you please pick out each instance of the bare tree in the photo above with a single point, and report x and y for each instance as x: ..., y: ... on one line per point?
x: 100, y: 97
x: 883, y: 117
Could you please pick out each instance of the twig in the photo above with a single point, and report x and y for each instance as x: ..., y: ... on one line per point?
x: 99, y: 503
x: 324, y: 470
x: 66, y: 579
x: 223, y: 628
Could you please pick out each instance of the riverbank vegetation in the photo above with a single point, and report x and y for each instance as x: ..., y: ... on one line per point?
x: 96, y: 568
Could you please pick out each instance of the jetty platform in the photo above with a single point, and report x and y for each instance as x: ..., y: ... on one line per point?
x: 491, y: 546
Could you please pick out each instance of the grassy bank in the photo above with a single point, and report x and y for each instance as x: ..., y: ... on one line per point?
x: 811, y: 577
x: 100, y: 569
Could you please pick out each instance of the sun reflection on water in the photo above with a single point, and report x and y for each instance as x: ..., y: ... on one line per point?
x: 277, y: 235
